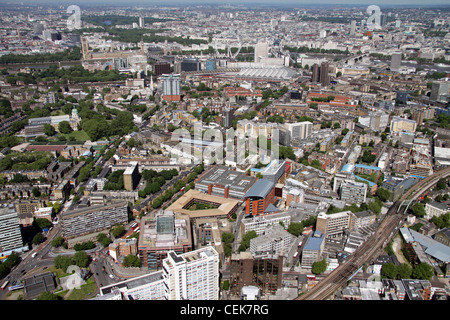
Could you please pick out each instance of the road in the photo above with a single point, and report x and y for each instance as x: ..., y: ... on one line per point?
x: 375, y: 244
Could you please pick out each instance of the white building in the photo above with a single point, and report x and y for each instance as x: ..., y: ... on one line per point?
x: 260, y: 224
x: 147, y: 287
x: 275, y: 240
x: 261, y: 51
x: 435, y: 209
x: 10, y: 234
x: 353, y: 192
x: 299, y: 130
x: 193, y: 275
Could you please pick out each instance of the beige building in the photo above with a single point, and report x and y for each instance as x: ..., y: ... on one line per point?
x: 122, y: 247
x: 333, y: 225
x: 131, y: 176
x: 399, y: 124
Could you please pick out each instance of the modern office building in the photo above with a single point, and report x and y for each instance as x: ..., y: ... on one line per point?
x: 214, y: 206
x: 300, y: 130
x: 353, y: 192
x: 396, y: 61
x: 333, y: 225
x: 131, y: 176
x: 262, y: 271
x: 223, y: 181
x: 312, y: 250
x: 210, y: 64
x: 171, y: 87
x: 353, y: 28
x: 261, y: 51
x: 10, y: 234
x: 440, y: 90
x: 162, y: 68
x: 165, y: 231
x: 191, y: 64
x: 402, y: 97
x: 192, y: 276
x: 260, y: 198
x: 275, y: 171
x: 84, y: 224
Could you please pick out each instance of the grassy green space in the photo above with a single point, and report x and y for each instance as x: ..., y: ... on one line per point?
x: 86, y: 291
x: 78, y: 135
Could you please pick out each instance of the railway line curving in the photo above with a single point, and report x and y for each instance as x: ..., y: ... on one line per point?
x: 388, y: 227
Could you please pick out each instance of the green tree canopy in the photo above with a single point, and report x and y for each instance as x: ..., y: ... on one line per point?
x: 383, y: 194
x: 131, y: 261
x: 295, y: 228
x: 64, y: 127
x: 49, y: 130
x: 418, y: 209
x: 319, y: 267
x: 423, y: 271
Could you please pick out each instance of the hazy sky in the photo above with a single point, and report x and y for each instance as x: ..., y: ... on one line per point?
x: 298, y: 3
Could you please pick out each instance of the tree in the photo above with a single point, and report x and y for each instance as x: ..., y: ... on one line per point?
x: 245, y: 242
x: 423, y: 271
x: 157, y: 203
x: 56, y: 206
x: 81, y: 259
x: 374, y: 206
x: 131, y: 261
x: 442, y: 221
x: 418, y: 210
x: 49, y: 130
x: 38, y: 238
x: 36, y: 192
x: 383, y: 194
x: 227, y: 237
x: 319, y: 267
x: 62, y: 262
x: 117, y: 231
x: 295, y: 228
x: 43, y: 223
x: 131, y: 142
x: 389, y: 270
x: 103, y: 240
x: 64, y: 127
x: 441, y: 185
x: 57, y: 242
x: 404, y: 271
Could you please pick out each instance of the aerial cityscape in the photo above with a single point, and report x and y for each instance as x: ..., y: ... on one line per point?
x: 224, y: 151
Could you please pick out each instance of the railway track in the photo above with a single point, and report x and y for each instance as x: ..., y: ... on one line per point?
x: 396, y: 214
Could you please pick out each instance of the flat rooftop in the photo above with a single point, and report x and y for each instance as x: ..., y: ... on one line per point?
x: 224, y: 176
x: 225, y: 205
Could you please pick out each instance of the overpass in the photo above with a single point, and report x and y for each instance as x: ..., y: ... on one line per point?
x: 374, y: 245
x: 355, y: 58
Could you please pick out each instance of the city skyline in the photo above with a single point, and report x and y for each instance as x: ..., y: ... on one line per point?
x: 291, y: 3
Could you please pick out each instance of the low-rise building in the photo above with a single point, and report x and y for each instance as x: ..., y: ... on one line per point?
x: 435, y: 209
